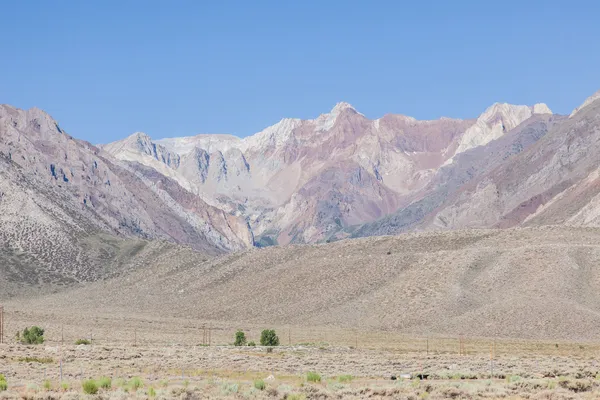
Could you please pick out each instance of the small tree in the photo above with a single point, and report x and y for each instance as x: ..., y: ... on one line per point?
x: 268, y: 337
x: 240, y: 338
x: 33, y: 335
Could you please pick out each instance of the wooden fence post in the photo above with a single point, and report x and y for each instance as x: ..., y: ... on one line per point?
x: 1, y: 324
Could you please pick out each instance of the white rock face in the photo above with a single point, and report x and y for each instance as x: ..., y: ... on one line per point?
x: 496, y: 121
x: 587, y: 102
x: 273, y: 136
x: 298, y: 178
x: 326, y: 121
x: 210, y: 143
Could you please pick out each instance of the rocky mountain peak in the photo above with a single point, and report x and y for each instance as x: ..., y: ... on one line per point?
x: 341, y: 106
x: 587, y: 102
x: 497, y: 120
x: 541, y: 108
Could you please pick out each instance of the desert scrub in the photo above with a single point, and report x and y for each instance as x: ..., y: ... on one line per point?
x: 47, y: 385
x: 296, y: 396
x: 33, y: 335
x: 240, y: 338
x: 345, y: 378
x: 151, y: 392
x: 3, y: 383
x: 64, y: 386
x: 260, y: 384
x: 82, y: 341
x: 135, y: 383
x: 230, y: 388
x: 251, y: 344
x: 120, y: 382
x: 105, y: 383
x: 89, y: 387
x: 268, y: 337
x: 43, y: 360
x: 313, y: 377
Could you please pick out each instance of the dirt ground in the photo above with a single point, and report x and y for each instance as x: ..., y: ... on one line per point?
x: 172, y: 365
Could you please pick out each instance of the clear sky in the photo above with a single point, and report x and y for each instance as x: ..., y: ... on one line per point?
x: 105, y: 69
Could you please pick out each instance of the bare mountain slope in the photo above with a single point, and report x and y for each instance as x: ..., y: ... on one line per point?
x: 529, y: 283
x: 56, y: 188
x: 544, y: 172
x: 303, y: 181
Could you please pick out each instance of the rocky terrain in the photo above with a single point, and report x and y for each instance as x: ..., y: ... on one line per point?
x: 311, y: 181
x: 306, y: 181
x: 55, y: 191
x: 544, y: 172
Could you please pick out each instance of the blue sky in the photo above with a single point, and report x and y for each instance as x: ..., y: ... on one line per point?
x: 105, y: 69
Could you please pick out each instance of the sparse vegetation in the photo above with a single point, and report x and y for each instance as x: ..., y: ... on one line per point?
x: 251, y: 344
x: 82, y: 341
x: 345, y: 378
x: 260, y: 384
x: 230, y: 388
x: 90, y: 387
x: 268, y: 337
x: 3, y: 383
x: 151, y: 392
x: 47, y: 385
x: 313, y: 377
x: 105, y: 383
x: 136, y: 383
x: 43, y: 360
x: 33, y: 335
x: 296, y: 396
x: 240, y: 338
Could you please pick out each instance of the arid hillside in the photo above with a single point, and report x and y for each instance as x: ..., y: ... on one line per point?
x: 526, y: 282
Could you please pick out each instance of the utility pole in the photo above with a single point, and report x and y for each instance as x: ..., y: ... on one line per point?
x: 1, y: 324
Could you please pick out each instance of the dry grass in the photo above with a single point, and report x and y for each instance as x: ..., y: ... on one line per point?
x: 231, y: 372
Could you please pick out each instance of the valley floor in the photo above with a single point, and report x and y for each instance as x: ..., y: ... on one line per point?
x: 172, y: 358
x: 232, y: 372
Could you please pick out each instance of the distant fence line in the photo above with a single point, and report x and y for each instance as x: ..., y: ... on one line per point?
x: 367, y: 340
x: 149, y: 333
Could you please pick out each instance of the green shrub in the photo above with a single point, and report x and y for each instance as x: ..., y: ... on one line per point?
x: 251, y: 344
x: 345, y: 378
x: 82, y: 341
x: 136, y: 383
x: 105, y: 383
x: 33, y: 335
x: 260, y: 384
x: 47, y: 385
x: 268, y: 337
x: 313, y: 377
x: 64, y: 386
x: 89, y: 387
x: 2, y: 378
x: 151, y: 392
x: 240, y: 338
x: 3, y: 386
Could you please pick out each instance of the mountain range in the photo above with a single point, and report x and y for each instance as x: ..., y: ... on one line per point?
x: 340, y: 175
